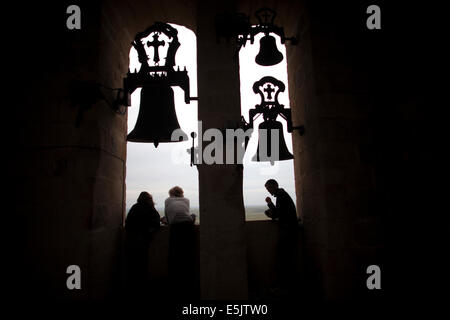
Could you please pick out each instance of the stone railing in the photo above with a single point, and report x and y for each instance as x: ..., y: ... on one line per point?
x: 261, y: 255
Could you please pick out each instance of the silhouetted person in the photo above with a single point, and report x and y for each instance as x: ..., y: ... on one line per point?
x: 284, y: 211
x: 181, y: 244
x: 141, y: 221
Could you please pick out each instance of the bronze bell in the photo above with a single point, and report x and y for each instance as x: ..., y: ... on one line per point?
x: 264, y: 151
x: 268, y: 52
x: 157, y: 118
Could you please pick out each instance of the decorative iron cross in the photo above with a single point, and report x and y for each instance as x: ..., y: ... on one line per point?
x: 269, y: 91
x: 156, y: 44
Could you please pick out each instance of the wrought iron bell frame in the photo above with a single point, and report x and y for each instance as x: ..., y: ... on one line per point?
x: 157, y: 74
x: 271, y: 109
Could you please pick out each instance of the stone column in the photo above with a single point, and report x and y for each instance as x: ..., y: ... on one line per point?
x: 223, y: 260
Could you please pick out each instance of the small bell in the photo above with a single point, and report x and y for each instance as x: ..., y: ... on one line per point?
x: 268, y: 52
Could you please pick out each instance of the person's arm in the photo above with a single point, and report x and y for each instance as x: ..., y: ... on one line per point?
x: 273, y: 209
x: 165, y: 211
x: 156, y: 218
x: 188, y: 203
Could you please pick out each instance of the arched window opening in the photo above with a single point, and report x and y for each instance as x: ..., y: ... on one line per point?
x: 257, y: 173
x: 157, y: 170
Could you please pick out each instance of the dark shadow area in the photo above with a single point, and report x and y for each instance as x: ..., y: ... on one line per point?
x: 169, y: 271
x: 183, y: 262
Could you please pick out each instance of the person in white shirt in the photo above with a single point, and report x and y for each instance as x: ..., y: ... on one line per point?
x: 182, y: 244
x: 177, y: 208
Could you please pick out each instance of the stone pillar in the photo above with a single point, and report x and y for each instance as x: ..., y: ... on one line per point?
x: 335, y: 96
x: 223, y: 261
x: 72, y: 172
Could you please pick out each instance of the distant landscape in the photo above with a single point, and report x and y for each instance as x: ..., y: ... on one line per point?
x: 251, y: 212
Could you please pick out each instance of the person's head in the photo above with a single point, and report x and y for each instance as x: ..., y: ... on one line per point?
x: 271, y: 186
x: 176, y: 192
x: 145, y: 197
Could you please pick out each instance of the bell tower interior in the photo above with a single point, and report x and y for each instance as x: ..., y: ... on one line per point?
x: 361, y: 185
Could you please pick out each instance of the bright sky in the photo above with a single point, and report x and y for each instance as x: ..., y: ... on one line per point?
x: 156, y: 170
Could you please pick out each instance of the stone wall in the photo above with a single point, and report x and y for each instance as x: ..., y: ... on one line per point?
x: 72, y: 171
x: 260, y: 241
x: 333, y: 96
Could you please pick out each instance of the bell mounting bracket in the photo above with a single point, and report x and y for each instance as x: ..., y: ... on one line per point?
x: 266, y: 17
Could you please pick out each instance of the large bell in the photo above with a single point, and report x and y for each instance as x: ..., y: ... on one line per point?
x: 265, y: 151
x: 268, y: 52
x: 157, y: 118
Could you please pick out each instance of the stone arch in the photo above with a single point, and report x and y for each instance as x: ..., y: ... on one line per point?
x: 186, y: 113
